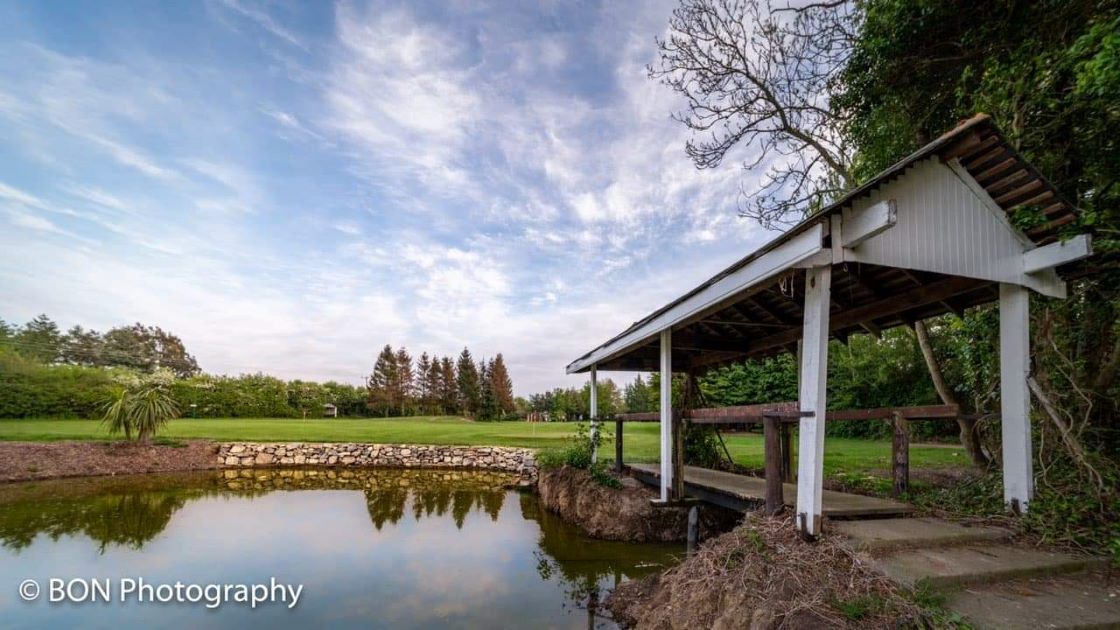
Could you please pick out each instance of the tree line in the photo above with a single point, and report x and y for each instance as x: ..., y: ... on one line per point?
x: 574, y: 403
x: 134, y: 346
x: 47, y: 372
x: 436, y: 385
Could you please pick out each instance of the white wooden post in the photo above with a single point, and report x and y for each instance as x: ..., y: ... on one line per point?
x: 666, y: 413
x: 813, y: 397
x: 594, y: 414
x: 1014, y: 368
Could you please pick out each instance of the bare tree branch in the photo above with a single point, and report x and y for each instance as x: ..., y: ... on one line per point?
x: 760, y: 81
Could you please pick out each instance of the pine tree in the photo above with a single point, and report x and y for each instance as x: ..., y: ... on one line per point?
x: 488, y: 401
x: 468, y: 382
x: 502, y: 385
x: 40, y: 339
x: 382, y: 383
x: 637, y: 396
x: 406, y: 383
x: 448, y: 387
x: 424, y: 391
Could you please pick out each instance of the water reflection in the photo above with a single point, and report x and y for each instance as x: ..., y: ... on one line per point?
x: 438, y: 547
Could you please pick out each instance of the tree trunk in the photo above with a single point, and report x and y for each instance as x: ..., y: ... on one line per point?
x: 970, y: 437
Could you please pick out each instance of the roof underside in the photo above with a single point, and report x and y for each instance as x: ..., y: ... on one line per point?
x: 765, y: 319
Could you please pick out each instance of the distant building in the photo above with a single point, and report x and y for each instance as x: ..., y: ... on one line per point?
x: 330, y: 411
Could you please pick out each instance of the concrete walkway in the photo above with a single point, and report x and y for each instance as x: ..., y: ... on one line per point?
x: 711, y: 485
x: 990, y: 582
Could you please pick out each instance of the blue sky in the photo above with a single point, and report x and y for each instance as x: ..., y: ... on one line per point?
x: 289, y: 186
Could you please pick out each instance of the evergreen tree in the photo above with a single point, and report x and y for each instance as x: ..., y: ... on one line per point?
x: 82, y: 347
x: 488, y: 408
x: 448, y: 387
x: 502, y: 385
x: 468, y: 382
x: 406, y: 383
x: 6, y: 331
x: 434, y: 379
x: 382, y: 383
x: 425, y: 396
x: 40, y: 339
x: 637, y: 396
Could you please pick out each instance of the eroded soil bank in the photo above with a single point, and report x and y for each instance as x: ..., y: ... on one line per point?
x: 762, y: 576
x: 23, y: 461
x: 622, y: 514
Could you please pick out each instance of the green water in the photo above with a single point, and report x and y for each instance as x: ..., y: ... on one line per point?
x: 371, y: 548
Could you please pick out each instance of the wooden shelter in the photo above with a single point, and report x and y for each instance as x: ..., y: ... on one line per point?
x: 930, y: 235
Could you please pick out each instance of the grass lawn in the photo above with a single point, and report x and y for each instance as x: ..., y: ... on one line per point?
x: 640, y: 439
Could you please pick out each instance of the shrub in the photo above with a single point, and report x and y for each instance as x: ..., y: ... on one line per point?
x: 141, y: 405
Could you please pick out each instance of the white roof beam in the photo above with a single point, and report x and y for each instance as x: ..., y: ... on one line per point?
x: 785, y: 256
x: 1057, y: 254
x: 862, y: 224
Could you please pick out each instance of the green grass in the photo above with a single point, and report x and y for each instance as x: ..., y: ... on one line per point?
x: 844, y: 456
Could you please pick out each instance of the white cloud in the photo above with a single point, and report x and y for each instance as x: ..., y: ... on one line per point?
x: 262, y: 19
x: 467, y: 180
x: 400, y: 93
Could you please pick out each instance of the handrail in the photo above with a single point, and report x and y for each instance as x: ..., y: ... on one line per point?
x: 788, y: 412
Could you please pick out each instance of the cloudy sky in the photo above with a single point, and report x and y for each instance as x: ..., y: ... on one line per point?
x: 289, y: 186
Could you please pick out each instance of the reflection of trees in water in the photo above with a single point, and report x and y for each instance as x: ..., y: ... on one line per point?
x: 128, y: 520
x: 428, y: 494
x: 132, y: 511
x: 586, y: 567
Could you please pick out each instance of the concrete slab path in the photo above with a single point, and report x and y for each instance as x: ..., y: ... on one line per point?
x: 976, y: 564
x: 888, y: 534
x: 1090, y: 600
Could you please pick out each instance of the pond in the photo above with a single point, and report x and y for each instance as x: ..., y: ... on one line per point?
x: 370, y: 548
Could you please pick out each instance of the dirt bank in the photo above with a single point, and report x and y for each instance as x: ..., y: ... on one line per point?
x: 762, y: 576
x: 622, y: 514
x: 20, y: 461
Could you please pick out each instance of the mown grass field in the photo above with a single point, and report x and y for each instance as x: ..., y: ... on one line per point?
x: 640, y: 439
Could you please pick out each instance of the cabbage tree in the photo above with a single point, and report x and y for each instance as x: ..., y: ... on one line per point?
x: 141, y: 406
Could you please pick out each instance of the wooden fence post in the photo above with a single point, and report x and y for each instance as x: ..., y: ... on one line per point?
x: 678, y: 457
x: 773, y: 456
x: 618, y: 444
x: 900, y: 451
x: 787, y: 452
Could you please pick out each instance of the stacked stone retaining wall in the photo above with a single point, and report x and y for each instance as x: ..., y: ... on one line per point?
x: 271, y: 455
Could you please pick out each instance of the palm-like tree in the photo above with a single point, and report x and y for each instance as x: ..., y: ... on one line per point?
x: 144, y: 408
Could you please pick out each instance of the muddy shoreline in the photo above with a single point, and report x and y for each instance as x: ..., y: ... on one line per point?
x: 28, y: 461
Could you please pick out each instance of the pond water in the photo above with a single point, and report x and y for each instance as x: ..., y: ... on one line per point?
x: 371, y: 548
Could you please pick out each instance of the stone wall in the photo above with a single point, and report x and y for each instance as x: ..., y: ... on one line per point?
x: 249, y: 454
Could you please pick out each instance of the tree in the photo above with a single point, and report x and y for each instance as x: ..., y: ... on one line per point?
x: 82, y: 347
x: 502, y: 385
x: 40, y: 339
x: 469, y: 385
x: 6, y: 332
x: 448, y: 387
x: 488, y: 407
x: 405, y: 385
x: 425, y: 388
x: 637, y: 396
x: 761, y: 80
x: 146, y: 348
x: 143, y: 406
x: 307, y: 397
x: 1045, y: 71
x: 382, y: 383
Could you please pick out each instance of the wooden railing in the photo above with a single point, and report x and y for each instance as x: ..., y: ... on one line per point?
x: 776, y: 420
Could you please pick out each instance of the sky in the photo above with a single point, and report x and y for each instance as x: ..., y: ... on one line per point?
x: 290, y: 186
